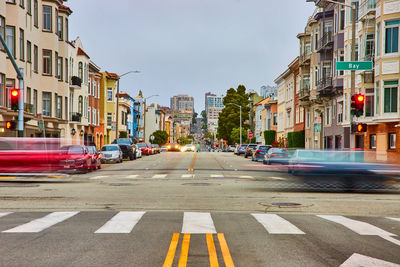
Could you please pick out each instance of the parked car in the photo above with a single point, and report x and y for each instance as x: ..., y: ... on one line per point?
x: 77, y: 158
x: 127, y: 146
x: 260, y: 152
x: 138, y: 153
x: 157, y: 148
x: 96, y: 157
x: 249, y: 150
x: 164, y: 149
x: 174, y: 147
x: 276, y: 155
x: 240, y: 149
x: 151, y: 148
x: 189, y: 148
x: 231, y: 149
x: 111, y: 153
x: 144, y: 148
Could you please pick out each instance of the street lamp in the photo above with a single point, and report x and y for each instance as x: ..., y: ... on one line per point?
x: 117, y: 111
x: 240, y: 107
x: 144, y: 116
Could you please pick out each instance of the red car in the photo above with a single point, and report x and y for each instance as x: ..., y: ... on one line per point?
x: 96, y: 157
x: 145, y: 149
x: 77, y: 158
x: 152, y: 149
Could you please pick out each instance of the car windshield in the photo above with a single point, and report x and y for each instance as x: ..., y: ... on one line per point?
x: 109, y: 148
x: 122, y: 141
x: 74, y: 150
x: 277, y: 150
x: 92, y: 150
x: 263, y: 147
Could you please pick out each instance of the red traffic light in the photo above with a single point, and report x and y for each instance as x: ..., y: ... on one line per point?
x: 14, y: 93
x: 360, y: 98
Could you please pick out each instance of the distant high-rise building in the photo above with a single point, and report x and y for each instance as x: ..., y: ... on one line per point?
x: 182, y: 102
x: 214, y: 105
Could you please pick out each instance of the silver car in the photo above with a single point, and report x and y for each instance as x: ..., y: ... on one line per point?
x: 111, y: 153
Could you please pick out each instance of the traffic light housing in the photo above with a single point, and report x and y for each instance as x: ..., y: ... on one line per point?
x: 359, y: 128
x: 357, y: 105
x: 11, y: 125
x: 14, y: 96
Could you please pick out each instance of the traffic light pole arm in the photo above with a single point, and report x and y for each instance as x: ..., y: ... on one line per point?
x: 20, y: 76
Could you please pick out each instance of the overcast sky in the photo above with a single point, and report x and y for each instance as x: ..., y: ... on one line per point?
x: 190, y: 46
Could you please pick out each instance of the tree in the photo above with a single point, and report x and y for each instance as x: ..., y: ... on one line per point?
x: 229, y: 118
x: 235, y: 137
x: 160, y: 137
x: 269, y: 137
x: 208, y: 135
x: 184, y: 141
x: 123, y: 134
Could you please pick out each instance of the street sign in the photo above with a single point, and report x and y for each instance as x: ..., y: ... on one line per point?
x: 152, y: 138
x: 250, y: 135
x: 354, y: 65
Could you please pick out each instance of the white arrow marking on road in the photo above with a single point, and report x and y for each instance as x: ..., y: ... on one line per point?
x: 99, y: 177
x: 394, y: 219
x: 198, y: 223
x: 132, y: 176
x: 361, y: 228
x: 275, y: 224
x: 160, y: 176
x: 2, y: 214
x: 40, y: 224
x: 122, y: 223
x: 357, y: 260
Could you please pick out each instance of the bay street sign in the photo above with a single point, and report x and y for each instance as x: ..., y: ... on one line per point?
x: 354, y: 65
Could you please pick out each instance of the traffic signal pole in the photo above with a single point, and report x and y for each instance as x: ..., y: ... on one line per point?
x: 20, y: 77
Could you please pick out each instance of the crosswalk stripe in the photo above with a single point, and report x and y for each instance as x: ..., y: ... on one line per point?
x: 216, y: 175
x: 40, y: 224
x: 390, y: 218
x: 2, y: 214
x: 122, y: 223
x: 361, y: 228
x: 187, y: 175
x: 132, y: 176
x: 246, y: 177
x: 275, y: 224
x: 159, y: 176
x: 198, y: 223
x: 99, y: 177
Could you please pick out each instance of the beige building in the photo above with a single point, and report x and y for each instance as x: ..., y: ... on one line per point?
x: 37, y: 34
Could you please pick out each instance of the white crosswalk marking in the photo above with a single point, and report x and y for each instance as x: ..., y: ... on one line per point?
x: 216, y: 175
x: 275, y: 224
x: 390, y: 218
x: 246, y: 177
x: 2, y: 214
x: 122, y: 223
x: 99, y: 177
x: 159, y: 176
x: 198, y: 223
x: 40, y: 224
x: 361, y: 228
x: 187, y: 175
x: 132, y: 176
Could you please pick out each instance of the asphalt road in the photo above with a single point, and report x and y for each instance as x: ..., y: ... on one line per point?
x: 194, y: 209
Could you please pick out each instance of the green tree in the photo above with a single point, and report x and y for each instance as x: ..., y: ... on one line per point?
x: 269, y: 137
x: 123, y: 134
x: 235, y: 137
x: 160, y: 137
x: 208, y: 135
x: 229, y: 118
x: 184, y: 140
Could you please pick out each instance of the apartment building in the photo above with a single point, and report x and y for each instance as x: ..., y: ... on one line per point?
x: 214, y: 106
x: 280, y: 83
x: 182, y: 102
x: 95, y: 131
x: 36, y: 33
x: 266, y: 118
x: 107, y: 105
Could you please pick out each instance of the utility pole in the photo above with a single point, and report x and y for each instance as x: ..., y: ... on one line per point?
x: 20, y: 77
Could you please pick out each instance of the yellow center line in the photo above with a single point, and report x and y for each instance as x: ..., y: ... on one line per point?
x: 171, y: 251
x: 211, y: 251
x: 191, y: 167
x: 225, y: 251
x: 184, y: 251
x: 8, y: 177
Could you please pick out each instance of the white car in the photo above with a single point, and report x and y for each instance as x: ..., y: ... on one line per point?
x: 111, y: 153
x: 188, y: 147
x: 138, y: 153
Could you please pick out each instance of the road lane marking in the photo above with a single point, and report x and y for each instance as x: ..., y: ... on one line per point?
x: 216, y: 175
x: 390, y: 218
x: 132, y: 176
x: 40, y: 224
x: 184, y: 250
x: 361, y: 228
x: 2, y: 214
x: 278, y: 178
x: 122, y: 223
x: 7, y: 177
x: 171, y: 251
x: 187, y: 175
x: 99, y: 177
x: 191, y: 167
x: 211, y: 251
x: 157, y: 176
x: 225, y: 251
x: 246, y: 177
x: 275, y: 224
x: 361, y: 260
x: 198, y: 223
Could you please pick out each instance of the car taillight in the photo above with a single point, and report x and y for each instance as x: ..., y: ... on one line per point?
x: 273, y: 154
x: 259, y: 151
x: 240, y: 147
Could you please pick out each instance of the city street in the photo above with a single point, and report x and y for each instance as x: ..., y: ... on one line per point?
x: 195, y: 209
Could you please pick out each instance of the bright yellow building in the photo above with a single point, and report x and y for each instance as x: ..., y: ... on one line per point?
x: 107, y: 105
